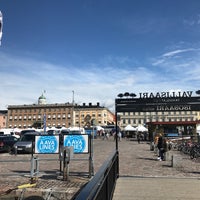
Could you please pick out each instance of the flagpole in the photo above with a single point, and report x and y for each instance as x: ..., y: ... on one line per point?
x: 1, y: 26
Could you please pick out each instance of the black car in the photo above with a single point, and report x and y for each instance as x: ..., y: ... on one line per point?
x: 7, y: 142
x: 26, y: 143
x: 27, y: 131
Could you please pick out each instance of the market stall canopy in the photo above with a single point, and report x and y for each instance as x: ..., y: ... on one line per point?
x: 129, y: 128
x: 16, y: 130
x: 99, y: 128
x: 141, y: 128
x: 198, y: 129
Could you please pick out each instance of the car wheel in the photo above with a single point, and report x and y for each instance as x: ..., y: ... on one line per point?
x: 8, y: 149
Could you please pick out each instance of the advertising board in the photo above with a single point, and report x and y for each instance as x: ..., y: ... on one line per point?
x: 80, y: 142
x: 45, y: 144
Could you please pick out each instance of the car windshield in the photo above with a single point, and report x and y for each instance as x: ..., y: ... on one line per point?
x: 75, y: 132
x: 28, y: 138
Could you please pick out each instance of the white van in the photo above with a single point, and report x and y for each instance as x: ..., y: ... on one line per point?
x: 76, y: 130
x: 9, y: 131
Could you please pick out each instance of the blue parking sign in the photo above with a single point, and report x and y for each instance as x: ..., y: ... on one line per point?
x: 47, y: 144
x: 79, y: 142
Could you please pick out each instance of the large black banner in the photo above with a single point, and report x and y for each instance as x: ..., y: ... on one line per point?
x: 158, y: 104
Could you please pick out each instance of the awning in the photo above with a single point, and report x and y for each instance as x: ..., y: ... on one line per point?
x: 129, y: 128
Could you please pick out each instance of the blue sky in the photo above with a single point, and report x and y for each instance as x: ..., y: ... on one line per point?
x: 97, y: 49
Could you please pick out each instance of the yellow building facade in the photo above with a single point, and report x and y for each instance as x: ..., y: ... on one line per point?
x: 57, y: 115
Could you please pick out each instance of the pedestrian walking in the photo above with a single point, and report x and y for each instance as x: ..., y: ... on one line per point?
x: 119, y: 136
x: 138, y: 138
x: 105, y: 135
x: 156, y: 145
x: 161, y: 147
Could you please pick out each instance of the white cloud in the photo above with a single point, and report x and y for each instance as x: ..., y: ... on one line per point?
x: 178, y: 51
x: 24, y: 80
x: 192, y: 21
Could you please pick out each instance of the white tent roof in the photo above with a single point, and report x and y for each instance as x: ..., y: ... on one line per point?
x: 99, y: 128
x: 141, y: 128
x: 129, y: 128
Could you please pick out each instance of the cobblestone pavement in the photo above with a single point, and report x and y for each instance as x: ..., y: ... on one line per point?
x: 136, y: 160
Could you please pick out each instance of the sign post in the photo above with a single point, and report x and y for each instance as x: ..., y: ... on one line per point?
x: 82, y: 145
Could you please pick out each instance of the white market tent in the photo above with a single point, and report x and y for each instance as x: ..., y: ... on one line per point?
x: 198, y: 129
x: 99, y: 128
x: 129, y: 128
x: 141, y: 128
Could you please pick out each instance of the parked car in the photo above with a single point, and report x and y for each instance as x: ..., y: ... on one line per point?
x: 7, y: 142
x: 27, y: 131
x: 26, y: 143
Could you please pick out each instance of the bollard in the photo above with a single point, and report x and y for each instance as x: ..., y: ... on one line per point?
x: 34, y: 166
x: 176, y: 161
x: 152, y: 146
x: 65, y: 166
x: 65, y: 156
x: 168, y: 156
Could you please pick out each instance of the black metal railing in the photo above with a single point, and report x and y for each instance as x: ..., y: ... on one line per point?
x: 102, y: 185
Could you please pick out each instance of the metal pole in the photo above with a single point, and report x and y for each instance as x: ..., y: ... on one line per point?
x: 64, y: 166
x: 116, y: 128
x: 72, y: 97
x: 91, y: 164
x: 116, y: 140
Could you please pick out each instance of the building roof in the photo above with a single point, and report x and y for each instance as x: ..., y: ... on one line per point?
x: 42, y: 97
x: 3, y: 112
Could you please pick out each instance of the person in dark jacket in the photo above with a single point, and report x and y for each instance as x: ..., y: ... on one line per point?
x: 161, y: 147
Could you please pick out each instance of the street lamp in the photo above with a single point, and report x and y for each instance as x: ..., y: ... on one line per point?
x: 198, y: 92
x: 120, y: 95
x: 127, y: 94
